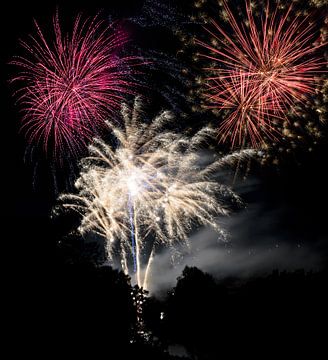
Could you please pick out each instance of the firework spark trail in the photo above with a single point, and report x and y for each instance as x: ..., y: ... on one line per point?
x: 273, y: 63
x: 250, y: 112
x: 131, y: 217
x: 148, y: 267
x: 70, y: 84
x: 165, y: 77
x: 157, y: 13
x: 153, y: 188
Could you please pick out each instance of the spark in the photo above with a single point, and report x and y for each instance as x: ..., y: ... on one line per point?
x: 152, y: 188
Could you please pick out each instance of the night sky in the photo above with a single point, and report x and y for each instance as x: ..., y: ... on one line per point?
x: 284, y: 226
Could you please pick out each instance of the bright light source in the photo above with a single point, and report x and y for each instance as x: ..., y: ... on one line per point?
x: 133, y: 183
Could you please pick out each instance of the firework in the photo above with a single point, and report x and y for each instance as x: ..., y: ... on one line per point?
x: 152, y: 188
x: 270, y: 64
x: 247, y: 113
x: 71, y: 83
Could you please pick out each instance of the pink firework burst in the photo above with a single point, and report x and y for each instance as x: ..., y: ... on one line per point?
x: 72, y: 84
x: 270, y: 64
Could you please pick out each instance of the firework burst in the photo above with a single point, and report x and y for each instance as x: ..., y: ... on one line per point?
x: 270, y: 63
x: 153, y: 188
x: 247, y: 113
x: 72, y: 83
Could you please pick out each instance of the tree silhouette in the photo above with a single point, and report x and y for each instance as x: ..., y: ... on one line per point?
x: 209, y: 317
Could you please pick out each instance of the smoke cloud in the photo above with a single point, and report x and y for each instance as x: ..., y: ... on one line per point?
x: 259, y: 242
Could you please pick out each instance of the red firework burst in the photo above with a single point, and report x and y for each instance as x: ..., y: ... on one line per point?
x: 72, y: 83
x: 271, y: 62
x: 249, y: 113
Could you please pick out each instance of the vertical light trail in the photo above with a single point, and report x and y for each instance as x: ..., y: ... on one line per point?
x: 150, y: 260
x: 137, y: 249
x: 134, y: 239
x: 131, y: 217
